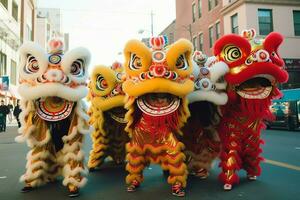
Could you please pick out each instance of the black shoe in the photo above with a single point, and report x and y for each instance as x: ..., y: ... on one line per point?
x: 91, y: 169
x: 73, y: 194
x: 26, y: 189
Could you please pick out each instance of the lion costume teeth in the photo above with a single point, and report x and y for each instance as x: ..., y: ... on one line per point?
x: 255, y: 68
x: 157, y: 83
x: 53, y: 115
x: 107, y: 115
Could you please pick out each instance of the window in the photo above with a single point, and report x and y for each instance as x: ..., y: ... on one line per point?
x: 13, y: 72
x: 194, y: 11
x: 296, y: 17
x: 218, y: 31
x: 4, y: 3
x: 171, y: 38
x: 29, y: 32
x: 199, y: 8
x: 234, y: 24
x: 211, y: 37
x: 265, y: 21
x: 3, y: 66
x: 201, y: 41
x: 209, y: 5
x: 195, y: 42
x: 15, y: 10
x: 216, y: 3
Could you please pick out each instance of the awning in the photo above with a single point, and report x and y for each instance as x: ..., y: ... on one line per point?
x: 11, y: 93
x: 289, y: 95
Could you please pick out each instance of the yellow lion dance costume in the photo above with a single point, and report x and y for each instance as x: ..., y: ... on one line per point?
x: 157, y: 82
x: 107, y: 115
x: 53, y: 116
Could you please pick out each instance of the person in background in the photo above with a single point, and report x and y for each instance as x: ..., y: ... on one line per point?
x: 4, y: 110
x: 17, y: 112
x: 11, y: 108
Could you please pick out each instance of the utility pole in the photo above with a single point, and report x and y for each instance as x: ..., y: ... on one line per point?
x: 151, y: 22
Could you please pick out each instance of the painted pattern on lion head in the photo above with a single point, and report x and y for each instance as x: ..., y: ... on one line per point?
x: 52, y: 85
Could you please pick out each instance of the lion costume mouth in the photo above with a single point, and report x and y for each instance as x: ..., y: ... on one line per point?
x: 54, y: 108
x: 158, y: 104
x: 118, y: 114
x: 259, y: 87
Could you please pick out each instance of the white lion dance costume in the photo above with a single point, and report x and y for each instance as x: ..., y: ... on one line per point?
x: 157, y: 83
x: 200, y: 133
x: 107, y: 115
x: 53, y: 115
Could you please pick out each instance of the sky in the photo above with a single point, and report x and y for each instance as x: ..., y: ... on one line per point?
x: 104, y: 26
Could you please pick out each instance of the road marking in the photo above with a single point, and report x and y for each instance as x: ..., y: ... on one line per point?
x: 281, y: 164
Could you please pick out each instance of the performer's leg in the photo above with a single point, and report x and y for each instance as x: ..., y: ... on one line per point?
x: 73, y: 163
x: 202, y: 159
x: 135, y: 166
x: 251, y: 158
x: 36, y: 167
x: 98, y: 152
x: 230, y: 161
x: 173, y: 160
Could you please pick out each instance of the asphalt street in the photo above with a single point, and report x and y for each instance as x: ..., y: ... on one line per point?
x: 280, y: 177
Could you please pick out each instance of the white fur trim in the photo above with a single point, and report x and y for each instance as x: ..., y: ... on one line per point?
x: 218, y: 70
x: 211, y: 96
x: 71, y: 148
x: 69, y: 137
x: 40, y: 55
x: 34, y: 183
x: 37, y: 164
x: 73, y: 181
x: 221, y: 86
x: 83, y: 125
x: 52, y: 89
x: 67, y: 171
x: 31, y: 141
x: 73, y: 55
x: 71, y: 155
x: 22, y: 138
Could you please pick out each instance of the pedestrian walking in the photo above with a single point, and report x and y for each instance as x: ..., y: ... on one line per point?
x: 17, y: 112
x: 10, y: 114
x: 4, y: 110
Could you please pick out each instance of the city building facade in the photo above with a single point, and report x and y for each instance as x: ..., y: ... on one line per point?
x: 17, y: 23
x: 204, y: 21
x: 49, y: 25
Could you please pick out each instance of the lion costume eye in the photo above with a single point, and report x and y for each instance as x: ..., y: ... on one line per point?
x: 135, y: 62
x: 232, y: 53
x: 101, y: 83
x: 181, y: 63
x: 32, y: 65
x: 77, y: 68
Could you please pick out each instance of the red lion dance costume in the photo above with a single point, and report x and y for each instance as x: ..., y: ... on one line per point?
x: 255, y: 68
x: 157, y: 82
x: 54, y: 119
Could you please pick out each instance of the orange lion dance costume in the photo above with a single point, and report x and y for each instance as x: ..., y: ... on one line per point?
x: 255, y: 68
x: 157, y: 83
x: 107, y: 115
x: 54, y: 119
